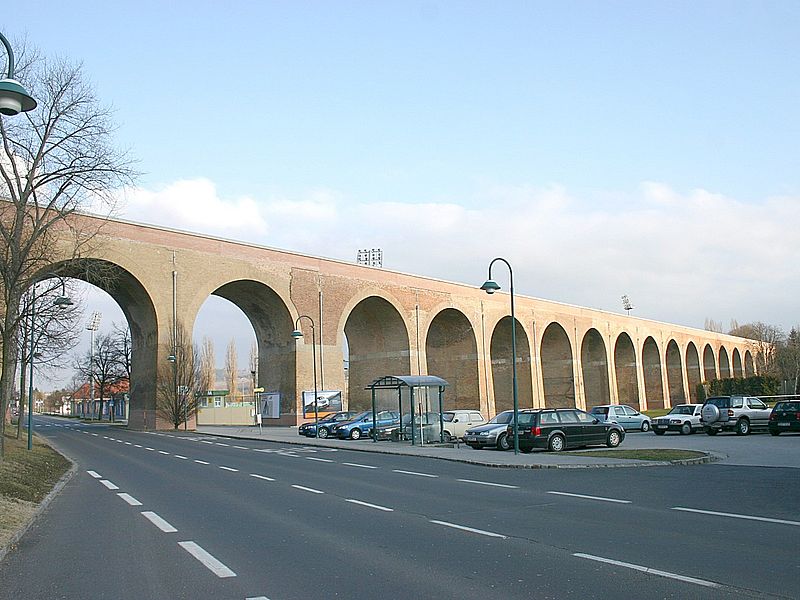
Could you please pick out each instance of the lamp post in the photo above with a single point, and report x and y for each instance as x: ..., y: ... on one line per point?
x: 490, y: 287
x: 93, y: 325
x: 297, y: 334
x: 14, y: 99
x: 61, y: 302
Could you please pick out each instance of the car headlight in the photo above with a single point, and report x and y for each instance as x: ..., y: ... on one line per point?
x: 484, y: 433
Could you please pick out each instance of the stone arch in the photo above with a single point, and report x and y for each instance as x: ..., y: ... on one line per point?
x: 452, y: 354
x: 502, y: 373
x: 557, y: 373
x: 724, y: 364
x: 273, y: 325
x: 709, y: 364
x: 139, y: 309
x: 693, y: 371
x: 651, y: 365
x: 738, y: 371
x: 675, y: 374
x: 625, y: 369
x: 594, y: 367
x: 378, y: 342
x: 749, y: 364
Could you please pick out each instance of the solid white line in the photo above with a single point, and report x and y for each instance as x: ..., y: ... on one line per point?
x: 502, y: 485
x: 257, y: 476
x: 162, y: 452
x: 108, y: 484
x: 470, y: 529
x: 735, y: 516
x: 319, y: 459
x: 201, y: 462
x: 242, y: 447
x: 413, y: 473
x: 129, y: 499
x: 95, y: 474
x: 590, y: 497
x: 367, y: 504
x: 181, y: 457
x: 648, y: 570
x: 211, y: 563
x: 358, y: 465
x: 229, y: 469
x: 158, y: 522
x: 307, y: 489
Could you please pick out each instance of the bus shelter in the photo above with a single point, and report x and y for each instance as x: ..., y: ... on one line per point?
x: 417, y: 399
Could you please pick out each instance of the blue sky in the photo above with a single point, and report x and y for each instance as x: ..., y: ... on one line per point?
x: 604, y: 148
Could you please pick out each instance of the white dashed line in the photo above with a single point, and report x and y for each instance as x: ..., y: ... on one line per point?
x: 470, y: 529
x: 206, y: 442
x: 158, y: 522
x: 201, y: 462
x: 128, y: 444
x: 137, y: 446
x: 585, y: 497
x: 242, y: 447
x: 257, y: 598
x: 226, y: 445
x: 308, y: 489
x: 327, y: 460
x: 162, y: 452
x: 151, y: 449
x: 413, y: 473
x: 229, y: 469
x: 359, y: 466
x: 368, y: 505
x: 129, y: 499
x: 501, y: 485
x: 108, y: 484
x: 95, y: 474
x: 737, y: 516
x: 257, y: 476
x: 211, y: 563
x: 649, y: 571
x: 181, y: 457
x: 95, y: 435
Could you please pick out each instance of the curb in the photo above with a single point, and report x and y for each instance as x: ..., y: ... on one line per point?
x: 708, y: 458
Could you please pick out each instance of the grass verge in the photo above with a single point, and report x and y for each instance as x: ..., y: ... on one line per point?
x: 649, y: 454
x: 26, y: 477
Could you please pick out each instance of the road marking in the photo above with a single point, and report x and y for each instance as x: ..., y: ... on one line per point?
x: 736, y: 516
x: 158, y: 522
x: 308, y: 489
x: 226, y: 445
x: 229, y: 469
x: 413, y: 473
x: 359, y: 466
x: 162, y: 452
x: 95, y: 474
x: 120, y: 441
x: 129, y: 499
x: 108, y: 484
x: 257, y: 476
x: 105, y: 437
x: 328, y: 460
x: 591, y: 497
x: 502, y: 485
x: 367, y: 504
x: 95, y: 435
x: 649, y: 571
x: 470, y: 529
x: 128, y: 444
x: 211, y: 563
x: 181, y: 457
x: 257, y: 598
x: 151, y: 449
x: 205, y: 442
x: 242, y: 447
x: 137, y: 445
x: 201, y: 462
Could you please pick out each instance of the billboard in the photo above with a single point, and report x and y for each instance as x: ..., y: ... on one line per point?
x: 328, y: 401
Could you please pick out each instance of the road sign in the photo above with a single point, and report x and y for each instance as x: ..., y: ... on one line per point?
x: 258, y: 390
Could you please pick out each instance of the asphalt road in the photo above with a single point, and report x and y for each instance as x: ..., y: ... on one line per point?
x: 189, y: 516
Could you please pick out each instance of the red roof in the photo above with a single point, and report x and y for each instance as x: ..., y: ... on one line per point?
x: 84, y: 393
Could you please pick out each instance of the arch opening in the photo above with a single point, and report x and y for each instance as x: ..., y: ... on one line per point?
x: 625, y: 370
x: 594, y: 367
x: 738, y: 370
x: 452, y: 354
x: 724, y: 364
x: 693, y: 371
x: 557, y: 369
x: 651, y: 364
x: 502, y: 372
x: 709, y: 364
x: 675, y: 374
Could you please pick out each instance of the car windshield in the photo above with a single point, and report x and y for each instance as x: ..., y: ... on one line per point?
x: 681, y: 410
x: 447, y: 417
x: 600, y: 410
x: 504, y: 418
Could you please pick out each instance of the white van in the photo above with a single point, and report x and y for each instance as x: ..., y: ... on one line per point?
x: 456, y: 422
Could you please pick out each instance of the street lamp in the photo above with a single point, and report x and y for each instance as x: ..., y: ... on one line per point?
x: 297, y: 334
x: 490, y: 287
x: 93, y: 325
x: 13, y: 97
x: 61, y: 302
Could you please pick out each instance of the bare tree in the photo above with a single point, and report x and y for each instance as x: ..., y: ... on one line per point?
x: 253, y: 367
x: 788, y: 359
x: 208, y: 369
x: 176, y: 383
x: 767, y: 339
x: 55, y: 161
x: 103, y: 370
x: 231, y: 370
x: 121, y: 349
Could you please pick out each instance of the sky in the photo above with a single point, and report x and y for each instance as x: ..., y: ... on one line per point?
x: 603, y: 148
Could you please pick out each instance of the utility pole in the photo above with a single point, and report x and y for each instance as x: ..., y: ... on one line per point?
x: 93, y: 325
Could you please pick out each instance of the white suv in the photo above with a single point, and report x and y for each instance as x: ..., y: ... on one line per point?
x: 456, y: 422
x: 734, y: 413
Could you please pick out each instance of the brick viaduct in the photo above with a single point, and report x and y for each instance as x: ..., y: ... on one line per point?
x: 394, y: 324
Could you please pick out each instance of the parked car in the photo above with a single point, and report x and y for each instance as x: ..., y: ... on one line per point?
x: 629, y: 418
x: 734, y: 413
x: 785, y: 416
x: 325, y: 424
x: 456, y: 422
x: 361, y: 424
x: 684, y: 418
x: 558, y: 428
x: 494, y: 433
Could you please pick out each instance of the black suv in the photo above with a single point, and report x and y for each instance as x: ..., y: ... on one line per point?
x: 558, y: 428
x: 785, y: 416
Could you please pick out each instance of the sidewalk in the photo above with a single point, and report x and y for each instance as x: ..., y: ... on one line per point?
x: 459, y: 453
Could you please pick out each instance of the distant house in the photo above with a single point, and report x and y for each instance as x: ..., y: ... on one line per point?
x: 113, y: 406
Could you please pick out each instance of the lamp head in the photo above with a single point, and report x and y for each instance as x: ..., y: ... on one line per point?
x: 14, y: 99
x: 490, y: 286
x: 297, y: 334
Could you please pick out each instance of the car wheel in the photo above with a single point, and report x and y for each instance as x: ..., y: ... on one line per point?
x: 742, y: 427
x: 502, y: 442
x: 711, y: 431
x: 645, y: 426
x: 446, y: 436
x: 556, y: 443
x: 323, y: 432
x: 686, y: 428
x: 774, y: 432
x: 355, y: 434
x: 613, y: 439
x: 658, y: 432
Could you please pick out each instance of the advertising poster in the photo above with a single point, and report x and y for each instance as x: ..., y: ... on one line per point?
x: 271, y: 405
x: 328, y: 401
